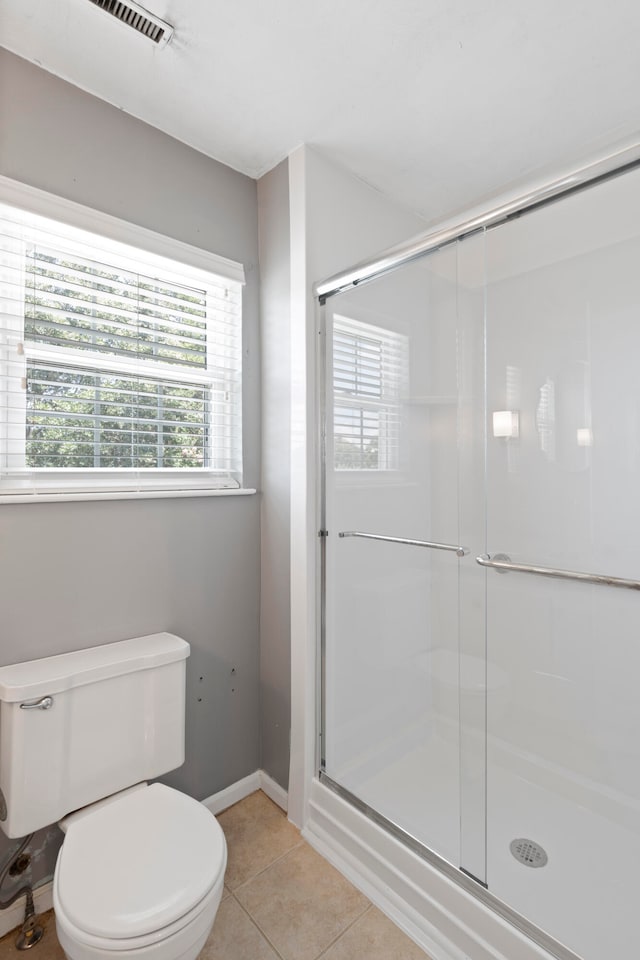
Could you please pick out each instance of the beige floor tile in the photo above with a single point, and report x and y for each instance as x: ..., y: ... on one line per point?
x: 254, y: 807
x: 47, y: 949
x: 235, y: 937
x: 374, y: 937
x: 257, y: 833
x: 301, y: 903
x: 225, y: 892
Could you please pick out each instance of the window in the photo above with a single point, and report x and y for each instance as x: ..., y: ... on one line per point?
x: 120, y: 369
x: 370, y: 369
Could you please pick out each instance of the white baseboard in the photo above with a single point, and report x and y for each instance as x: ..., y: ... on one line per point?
x: 441, y: 917
x: 232, y: 794
x: 12, y: 917
x: 259, y: 780
x: 273, y: 790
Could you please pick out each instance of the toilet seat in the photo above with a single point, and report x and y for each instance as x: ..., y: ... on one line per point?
x: 184, y: 931
x: 138, y: 869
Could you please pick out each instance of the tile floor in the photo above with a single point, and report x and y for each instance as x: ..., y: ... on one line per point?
x: 282, y: 901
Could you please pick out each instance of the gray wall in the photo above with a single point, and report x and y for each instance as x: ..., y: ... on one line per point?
x: 74, y: 575
x: 275, y: 614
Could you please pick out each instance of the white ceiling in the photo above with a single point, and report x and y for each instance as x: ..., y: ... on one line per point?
x: 438, y: 103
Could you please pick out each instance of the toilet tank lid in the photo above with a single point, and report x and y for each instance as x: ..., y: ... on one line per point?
x: 38, y: 678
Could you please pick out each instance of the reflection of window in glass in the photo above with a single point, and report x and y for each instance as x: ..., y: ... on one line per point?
x: 369, y: 370
x: 546, y: 419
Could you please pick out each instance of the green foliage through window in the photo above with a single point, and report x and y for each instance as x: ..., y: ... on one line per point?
x: 80, y: 419
x: 116, y: 361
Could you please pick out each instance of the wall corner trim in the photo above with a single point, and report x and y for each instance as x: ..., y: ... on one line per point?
x: 259, y: 780
x: 273, y: 790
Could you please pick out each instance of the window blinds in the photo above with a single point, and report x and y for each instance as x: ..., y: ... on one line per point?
x: 117, y: 367
x: 370, y: 373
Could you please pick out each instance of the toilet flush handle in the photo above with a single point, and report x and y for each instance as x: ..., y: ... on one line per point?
x: 44, y: 704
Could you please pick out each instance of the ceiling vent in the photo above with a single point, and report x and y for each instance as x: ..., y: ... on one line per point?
x: 138, y: 19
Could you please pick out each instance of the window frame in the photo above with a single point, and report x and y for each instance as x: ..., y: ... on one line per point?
x: 47, y: 484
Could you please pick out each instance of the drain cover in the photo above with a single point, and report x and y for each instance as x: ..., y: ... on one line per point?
x: 528, y: 852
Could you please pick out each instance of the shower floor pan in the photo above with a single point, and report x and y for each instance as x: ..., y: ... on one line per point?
x: 584, y: 896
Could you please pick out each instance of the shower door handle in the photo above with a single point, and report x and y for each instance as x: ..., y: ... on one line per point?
x: 451, y: 547
x: 502, y: 564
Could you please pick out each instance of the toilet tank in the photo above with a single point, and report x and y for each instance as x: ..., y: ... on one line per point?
x: 80, y: 726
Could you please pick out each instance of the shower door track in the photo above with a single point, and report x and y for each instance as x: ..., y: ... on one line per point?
x: 470, y: 884
x: 579, y: 179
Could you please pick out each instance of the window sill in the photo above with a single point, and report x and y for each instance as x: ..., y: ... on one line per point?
x: 45, y: 497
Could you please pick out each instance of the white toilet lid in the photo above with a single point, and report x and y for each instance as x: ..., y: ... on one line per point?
x: 139, y: 863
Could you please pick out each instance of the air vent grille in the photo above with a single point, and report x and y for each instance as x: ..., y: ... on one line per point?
x: 138, y: 19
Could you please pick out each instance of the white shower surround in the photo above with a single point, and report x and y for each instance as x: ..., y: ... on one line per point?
x: 447, y: 922
x: 444, y: 919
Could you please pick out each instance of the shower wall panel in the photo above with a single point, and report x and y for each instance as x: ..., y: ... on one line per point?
x: 563, y: 341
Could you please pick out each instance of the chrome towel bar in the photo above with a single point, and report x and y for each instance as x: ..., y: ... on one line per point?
x: 452, y: 547
x: 502, y: 563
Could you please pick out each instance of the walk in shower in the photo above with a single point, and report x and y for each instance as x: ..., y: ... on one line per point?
x: 481, y: 557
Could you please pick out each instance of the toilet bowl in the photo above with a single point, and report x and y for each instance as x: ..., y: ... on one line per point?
x: 139, y: 875
x: 141, y: 870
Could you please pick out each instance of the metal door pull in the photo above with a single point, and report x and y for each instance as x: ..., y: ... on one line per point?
x: 502, y: 563
x: 452, y: 547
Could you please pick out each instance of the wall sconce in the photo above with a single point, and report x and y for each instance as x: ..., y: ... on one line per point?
x: 506, y: 423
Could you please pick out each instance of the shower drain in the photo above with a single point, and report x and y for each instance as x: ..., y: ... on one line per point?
x: 528, y: 852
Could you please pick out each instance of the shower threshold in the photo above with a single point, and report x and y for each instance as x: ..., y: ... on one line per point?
x: 464, y: 880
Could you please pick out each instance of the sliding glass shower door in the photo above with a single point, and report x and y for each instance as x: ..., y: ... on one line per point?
x: 481, y: 640
x: 398, y: 431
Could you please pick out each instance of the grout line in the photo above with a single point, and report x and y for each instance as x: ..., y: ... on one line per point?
x: 259, y: 928
x: 254, y: 921
x: 346, y: 929
x: 324, y: 949
x: 276, y: 805
x: 263, y: 933
x: 236, y: 803
x: 264, y: 869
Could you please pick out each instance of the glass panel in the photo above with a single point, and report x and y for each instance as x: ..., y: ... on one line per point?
x: 563, y: 460
x: 391, y: 647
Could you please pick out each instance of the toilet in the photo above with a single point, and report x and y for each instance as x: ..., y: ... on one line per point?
x: 141, y: 869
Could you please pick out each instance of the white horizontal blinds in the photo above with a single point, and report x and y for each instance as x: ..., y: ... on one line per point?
x: 116, y: 361
x: 96, y: 306
x: 370, y: 374
x: 82, y: 419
